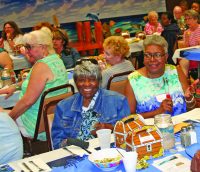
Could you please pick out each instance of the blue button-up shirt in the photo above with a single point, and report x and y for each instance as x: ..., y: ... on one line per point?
x: 110, y: 107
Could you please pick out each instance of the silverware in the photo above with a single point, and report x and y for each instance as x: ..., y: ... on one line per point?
x: 27, y: 167
x: 120, y: 153
x: 32, y: 162
x: 72, y: 153
x: 87, y: 150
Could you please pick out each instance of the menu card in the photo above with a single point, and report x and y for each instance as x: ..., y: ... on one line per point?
x: 176, y: 162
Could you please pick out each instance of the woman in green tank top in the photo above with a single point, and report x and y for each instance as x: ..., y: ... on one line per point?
x: 47, y: 72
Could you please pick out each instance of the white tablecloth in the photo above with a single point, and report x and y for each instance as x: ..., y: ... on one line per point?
x: 60, y: 153
x: 11, y: 101
x: 20, y: 62
x: 176, y: 54
x: 135, y: 46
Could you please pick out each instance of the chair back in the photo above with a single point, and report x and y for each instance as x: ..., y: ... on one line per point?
x: 118, y: 86
x: 47, y: 106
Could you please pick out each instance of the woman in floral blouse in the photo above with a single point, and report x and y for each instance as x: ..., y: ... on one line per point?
x: 153, y: 26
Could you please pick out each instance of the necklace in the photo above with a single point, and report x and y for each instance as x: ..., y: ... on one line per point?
x: 157, y: 83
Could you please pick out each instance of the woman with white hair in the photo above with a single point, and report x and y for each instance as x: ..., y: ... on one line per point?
x: 153, y: 26
x: 47, y: 72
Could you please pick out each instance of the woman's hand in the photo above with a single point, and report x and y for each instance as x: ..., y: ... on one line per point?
x: 166, y: 105
x: 9, y: 91
x: 189, y: 93
x: 99, y: 126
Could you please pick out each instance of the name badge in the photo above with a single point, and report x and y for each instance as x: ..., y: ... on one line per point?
x: 161, y: 97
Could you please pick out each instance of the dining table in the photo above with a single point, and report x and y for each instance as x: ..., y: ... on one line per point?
x: 76, y: 160
x: 20, y: 62
x: 135, y: 44
x: 12, y: 100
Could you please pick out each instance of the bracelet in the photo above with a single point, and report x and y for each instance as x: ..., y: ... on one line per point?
x: 190, y: 101
x: 190, y: 107
x: 17, y: 87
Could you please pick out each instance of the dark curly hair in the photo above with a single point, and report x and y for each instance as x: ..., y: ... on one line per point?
x: 17, y: 30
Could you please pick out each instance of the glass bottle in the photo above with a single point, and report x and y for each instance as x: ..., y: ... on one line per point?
x: 166, y: 127
x: 185, y: 137
x: 6, y: 77
x: 193, y: 134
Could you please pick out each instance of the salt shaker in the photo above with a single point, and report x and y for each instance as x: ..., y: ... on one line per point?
x: 185, y: 137
x: 193, y: 134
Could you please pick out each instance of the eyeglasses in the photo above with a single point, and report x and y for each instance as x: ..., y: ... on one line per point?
x: 93, y: 61
x: 188, y: 18
x: 156, y: 56
x: 29, y: 46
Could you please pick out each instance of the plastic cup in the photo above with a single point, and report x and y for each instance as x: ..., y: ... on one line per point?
x: 104, y: 136
x: 130, y: 161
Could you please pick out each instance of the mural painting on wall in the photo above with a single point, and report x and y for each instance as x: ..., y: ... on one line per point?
x: 26, y: 13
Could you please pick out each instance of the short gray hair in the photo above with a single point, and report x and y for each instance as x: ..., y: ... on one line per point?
x: 156, y: 40
x: 87, y: 69
x: 42, y: 36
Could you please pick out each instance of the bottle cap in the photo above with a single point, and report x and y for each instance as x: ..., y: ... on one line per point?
x: 183, y: 129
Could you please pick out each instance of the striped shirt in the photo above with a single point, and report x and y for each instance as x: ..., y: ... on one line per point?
x: 125, y: 66
x: 194, y: 39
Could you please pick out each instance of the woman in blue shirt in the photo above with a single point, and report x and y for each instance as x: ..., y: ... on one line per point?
x: 91, y: 109
x: 68, y: 54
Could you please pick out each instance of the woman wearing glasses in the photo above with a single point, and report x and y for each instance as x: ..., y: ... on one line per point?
x: 11, y: 36
x: 157, y: 87
x: 61, y: 45
x: 191, y: 38
x: 90, y: 109
x: 47, y: 72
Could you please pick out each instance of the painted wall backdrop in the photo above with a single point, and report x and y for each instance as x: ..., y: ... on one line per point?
x: 26, y: 13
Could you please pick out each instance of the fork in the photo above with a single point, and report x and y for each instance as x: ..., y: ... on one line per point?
x: 72, y: 153
x: 33, y: 163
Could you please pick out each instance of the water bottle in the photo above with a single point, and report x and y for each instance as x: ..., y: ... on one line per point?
x: 6, y: 77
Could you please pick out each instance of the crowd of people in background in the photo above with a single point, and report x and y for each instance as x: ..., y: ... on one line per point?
x: 161, y: 86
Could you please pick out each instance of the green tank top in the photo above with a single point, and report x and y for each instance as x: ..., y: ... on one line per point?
x: 29, y: 117
x: 2, y: 50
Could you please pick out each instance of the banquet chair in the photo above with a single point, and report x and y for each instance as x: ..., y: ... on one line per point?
x: 47, y: 107
x: 118, y: 86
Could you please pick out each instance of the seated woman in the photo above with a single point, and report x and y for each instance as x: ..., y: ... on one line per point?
x: 47, y: 72
x: 115, y: 50
x: 11, y: 36
x: 5, y: 60
x: 68, y: 54
x: 11, y: 148
x: 153, y: 26
x: 191, y: 38
x: 91, y: 109
x: 157, y: 87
